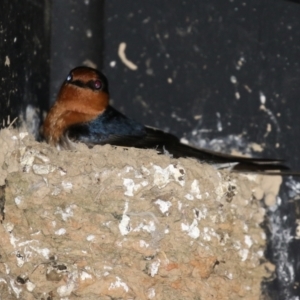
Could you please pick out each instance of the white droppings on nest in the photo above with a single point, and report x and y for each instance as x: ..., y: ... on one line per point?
x: 207, y: 234
x: 60, y: 231
x: 90, y: 237
x: 67, y: 213
x: 143, y: 244
x: 127, y: 169
x: 248, y: 241
x: 224, y: 187
x: 27, y: 159
x: 35, y: 233
x: 243, y: 254
x: 132, y: 187
x: 201, y: 213
x: 56, y: 191
x: 62, y: 172
x: 67, y: 186
x: 189, y: 197
x: 18, y: 200
x: 30, y: 286
x: 124, y: 225
x: 194, y: 192
x: 229, y: 275
x: 45, y: 252
x: 154, y: 268
x: 29, y: 156
x: 8, y: 227
x: 195, y: 189
x: 163, y: 205
x: 150, y: 227
x: 145, y: 171
x: 84, y: 275
x: 42, y: 169
x: 192, y: 229
x: 66, y: 290
x: 119, y: 284
x: 151, y: 293
x: 171, y: 173
x: 27, y: 242
x: 260, y: 253
x: 17, y: 290
x: 179, y: 205
x: 237, y: 245
x: 19, y: 260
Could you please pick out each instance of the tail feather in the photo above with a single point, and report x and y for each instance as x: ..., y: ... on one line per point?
x: 233, y: 162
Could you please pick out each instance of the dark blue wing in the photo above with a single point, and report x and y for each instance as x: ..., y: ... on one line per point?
x: 114, y: 128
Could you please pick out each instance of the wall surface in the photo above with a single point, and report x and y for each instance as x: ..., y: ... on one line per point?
x: 24, y: 57
x: 211, y: 68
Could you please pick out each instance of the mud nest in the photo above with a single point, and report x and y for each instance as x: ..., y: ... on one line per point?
x: 115, y: 223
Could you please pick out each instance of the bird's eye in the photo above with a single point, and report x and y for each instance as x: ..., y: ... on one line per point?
x: 97, y: 84
x: 69, y: 78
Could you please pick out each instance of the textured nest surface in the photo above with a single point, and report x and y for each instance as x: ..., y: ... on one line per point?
x: 114, y: 223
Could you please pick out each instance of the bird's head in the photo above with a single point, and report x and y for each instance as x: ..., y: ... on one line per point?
x: 85, y: 90
x: 82, y: 97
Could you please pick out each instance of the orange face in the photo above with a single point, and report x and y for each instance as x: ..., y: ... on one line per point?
x: 82, y: 97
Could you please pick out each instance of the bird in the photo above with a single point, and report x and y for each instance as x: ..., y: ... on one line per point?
x: 82, y: 113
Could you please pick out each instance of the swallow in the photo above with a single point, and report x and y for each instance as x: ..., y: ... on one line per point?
x: 82, y: 113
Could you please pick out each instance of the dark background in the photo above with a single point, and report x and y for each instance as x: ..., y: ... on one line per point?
x: 223, y: 74
x: 202, y: 46
x: 25, y: 35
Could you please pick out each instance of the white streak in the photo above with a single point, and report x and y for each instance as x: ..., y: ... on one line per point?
x: 122, y: 55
